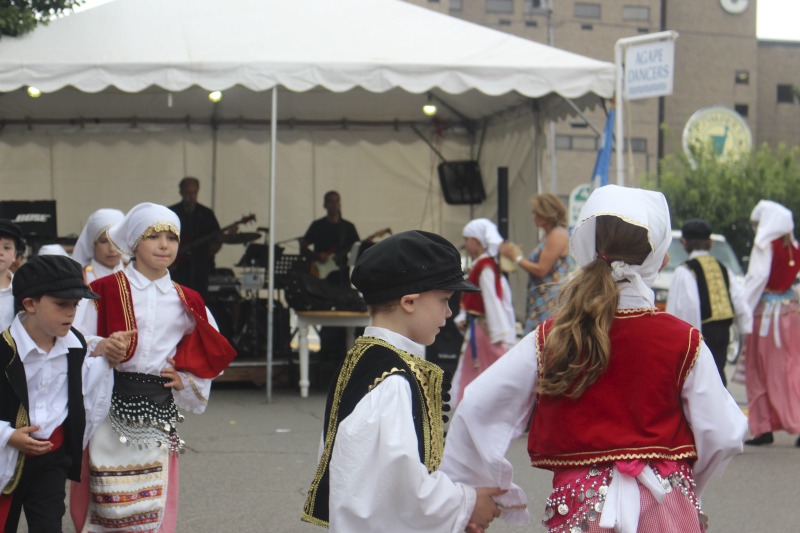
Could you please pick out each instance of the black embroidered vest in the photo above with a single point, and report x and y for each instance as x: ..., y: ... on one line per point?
x: 713, y: 288
x: 14, y: 405
x: 370, y: 362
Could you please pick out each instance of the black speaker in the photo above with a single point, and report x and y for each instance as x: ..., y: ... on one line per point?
x: 461, y: 182
x: 37, y: 218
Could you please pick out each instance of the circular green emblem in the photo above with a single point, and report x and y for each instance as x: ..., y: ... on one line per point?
x: 718, y: 129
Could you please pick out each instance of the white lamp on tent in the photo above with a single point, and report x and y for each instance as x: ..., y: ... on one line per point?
x: 215, y: 96
x: 33, y: 92
x: 430, y: 106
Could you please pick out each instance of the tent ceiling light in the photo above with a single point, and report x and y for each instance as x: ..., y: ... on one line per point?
x: 33, y: 92
x: 215, y: 96
x: 430, y: 106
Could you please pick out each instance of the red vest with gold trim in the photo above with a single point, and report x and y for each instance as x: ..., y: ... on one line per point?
x: 785, y: 266
x: 472, y: 302
x: 204, y: 352
x: 633, y: 411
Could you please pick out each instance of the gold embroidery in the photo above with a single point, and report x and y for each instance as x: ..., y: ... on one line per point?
x: 126, y: 300
x: 429, y: 387
x: 195, y: 389
x: 718, y: 298
x: 22, y: 420
x: 385, y: 375
x: 614, y: 457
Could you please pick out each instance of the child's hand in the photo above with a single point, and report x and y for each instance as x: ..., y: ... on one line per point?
x: 115, y: 347
x: 485, y: 509
x: 22, y: 441
x: 169, y: 372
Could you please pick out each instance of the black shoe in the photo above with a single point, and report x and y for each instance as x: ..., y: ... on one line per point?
x: 764, y: 438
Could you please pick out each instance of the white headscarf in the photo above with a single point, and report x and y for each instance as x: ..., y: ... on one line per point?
x: 97, y: 223
x: 486, y: 232
x: 52, y: 249
x: 140, y: 221
x: 647, y: 209
x: 773, y: 220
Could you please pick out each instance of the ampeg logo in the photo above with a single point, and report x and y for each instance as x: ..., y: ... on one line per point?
x: 31, y: 217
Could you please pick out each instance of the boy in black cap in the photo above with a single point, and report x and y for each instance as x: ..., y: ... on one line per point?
x: 706, y: 294
x: 10, y: 244
x: 45, y: 418
x: 383, y: 434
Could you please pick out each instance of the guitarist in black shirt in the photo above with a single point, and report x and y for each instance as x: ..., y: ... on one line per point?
x: 331, y: 237
x: 195, y: 263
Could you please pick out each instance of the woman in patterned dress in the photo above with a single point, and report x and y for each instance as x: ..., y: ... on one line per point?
x: 548, y: 264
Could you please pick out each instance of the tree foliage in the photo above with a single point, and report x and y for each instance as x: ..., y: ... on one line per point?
x: 725, y: 193
x: 21, y: 16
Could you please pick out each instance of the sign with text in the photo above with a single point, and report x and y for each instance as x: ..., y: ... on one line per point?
x: 577, y: 199
x: 649, y: 69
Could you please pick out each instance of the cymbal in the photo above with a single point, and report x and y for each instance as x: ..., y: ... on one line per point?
x: 240, y: 238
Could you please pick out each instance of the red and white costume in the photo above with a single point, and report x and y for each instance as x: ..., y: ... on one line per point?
x: 772, y: 351
x: 628, y: 462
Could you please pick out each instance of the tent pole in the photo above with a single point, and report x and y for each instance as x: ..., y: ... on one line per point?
x: 273, y: 138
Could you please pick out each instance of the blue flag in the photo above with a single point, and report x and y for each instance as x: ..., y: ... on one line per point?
x: 600, y: 174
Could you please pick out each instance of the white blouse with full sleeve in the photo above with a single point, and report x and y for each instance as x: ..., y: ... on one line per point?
x: 497, y: 406
x: 161, y: 323
x: 377, y: 481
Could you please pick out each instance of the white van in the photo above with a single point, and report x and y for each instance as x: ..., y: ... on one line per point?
x: 677, y: 255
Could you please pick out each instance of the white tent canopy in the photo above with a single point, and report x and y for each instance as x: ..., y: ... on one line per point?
x: 313, y: 47
x: 125, y: 111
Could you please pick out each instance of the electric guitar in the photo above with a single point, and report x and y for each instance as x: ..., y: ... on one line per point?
x: 185, y: 251
x: 321, y: 269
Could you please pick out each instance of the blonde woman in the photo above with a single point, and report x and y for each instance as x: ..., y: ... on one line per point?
x: 548, y: 264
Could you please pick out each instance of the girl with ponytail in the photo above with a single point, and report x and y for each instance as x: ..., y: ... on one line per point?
x: 619, y: 394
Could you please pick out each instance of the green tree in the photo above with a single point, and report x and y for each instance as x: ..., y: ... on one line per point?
x: 21, y: 16
x: 725, y: 192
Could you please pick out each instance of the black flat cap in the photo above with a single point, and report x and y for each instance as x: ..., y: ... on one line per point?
x: 53, y: 275
x: 696, y: 229
x: 9, y: 229
x: 409, y: 263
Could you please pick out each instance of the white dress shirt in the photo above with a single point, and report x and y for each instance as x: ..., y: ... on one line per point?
x: 497, y: 406
x: 161, y: 323
x: 684, y: 299
x: 46, y: 377
x: 377, y: 482
x: 100, y: 271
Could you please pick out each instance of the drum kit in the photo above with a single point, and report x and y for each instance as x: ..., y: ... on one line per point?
x: 236, y: 304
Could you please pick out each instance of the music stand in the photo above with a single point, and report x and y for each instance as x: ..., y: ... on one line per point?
x: 287, y: 264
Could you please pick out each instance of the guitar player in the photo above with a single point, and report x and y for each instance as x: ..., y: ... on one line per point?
x: 331, y: 238
x: 197, y: 221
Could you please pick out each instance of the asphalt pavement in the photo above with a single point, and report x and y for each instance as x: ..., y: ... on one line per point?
x: 249, y: 463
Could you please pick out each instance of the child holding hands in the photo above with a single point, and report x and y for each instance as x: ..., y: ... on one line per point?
x: 383, y: 434
x: 52, y: 396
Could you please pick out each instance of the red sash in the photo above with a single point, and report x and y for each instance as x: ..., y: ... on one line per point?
x: 204, y: 352
x: 785, y: 266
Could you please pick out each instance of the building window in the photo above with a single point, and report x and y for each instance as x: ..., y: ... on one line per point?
x: 587, y: 27
x: 531, y: 23
x: 742, y: 77
x: 433, y: 1
x: 636, y: 13
x: 638, y: 145
x: 534, y: 7
x: 504, y: 22
x: 643, y: 30
x: 587, y: 11
x: 499, y: 6
x: 563, y: 142
x: 785, y: 94
x: 742, y: 109
x: 456, y: 5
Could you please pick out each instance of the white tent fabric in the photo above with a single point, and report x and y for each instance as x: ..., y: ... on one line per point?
x: 321, y: 46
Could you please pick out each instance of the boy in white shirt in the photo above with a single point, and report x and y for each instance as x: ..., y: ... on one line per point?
x: 10, y: 242
x: 52, y: 396
x: 383, y: 435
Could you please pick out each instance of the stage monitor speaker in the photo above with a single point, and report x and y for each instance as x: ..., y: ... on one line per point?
x: 37, y: 219
x: 461, y: 182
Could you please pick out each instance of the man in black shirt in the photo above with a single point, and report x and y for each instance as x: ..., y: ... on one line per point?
x: 332, y: 237
x: 200, y: 239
